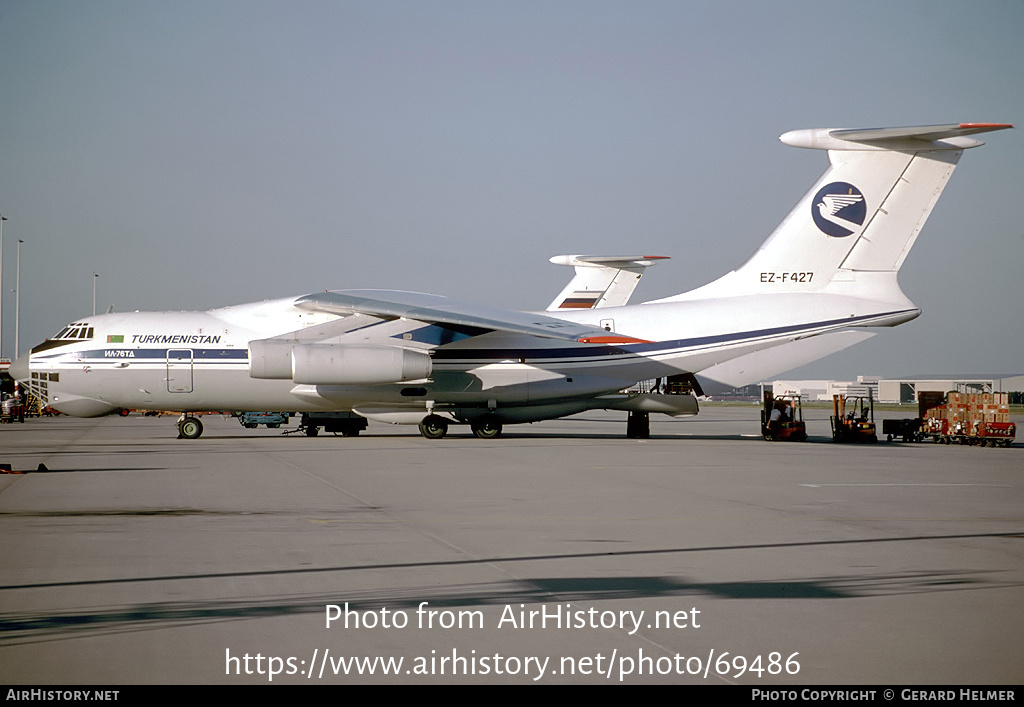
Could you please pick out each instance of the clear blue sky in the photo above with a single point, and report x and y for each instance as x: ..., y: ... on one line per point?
x: 203, y: 153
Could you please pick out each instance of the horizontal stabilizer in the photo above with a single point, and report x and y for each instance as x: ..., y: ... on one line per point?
x: 932, y: 137
x: 929, y: 132
x: 610, y: 261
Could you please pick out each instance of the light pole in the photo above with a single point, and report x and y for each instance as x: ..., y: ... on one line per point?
x: 17, y: 300
x: 94, y: 276
x: 2, y: 219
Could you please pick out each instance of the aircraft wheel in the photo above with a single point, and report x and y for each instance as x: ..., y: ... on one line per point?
x: 433, y: 427
x: 487, y: 427
x: 190, y: 428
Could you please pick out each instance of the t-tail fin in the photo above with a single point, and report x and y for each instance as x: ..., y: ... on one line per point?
x: 854, y: 227
x: 601, y: 280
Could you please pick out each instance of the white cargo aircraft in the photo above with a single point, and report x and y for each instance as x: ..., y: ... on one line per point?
x: 828, y: 270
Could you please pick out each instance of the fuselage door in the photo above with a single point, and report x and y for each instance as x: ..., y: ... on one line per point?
x: 179, y: 370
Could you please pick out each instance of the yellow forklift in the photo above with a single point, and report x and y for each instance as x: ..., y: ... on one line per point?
x: 782, y: 418
x: 853, y: 419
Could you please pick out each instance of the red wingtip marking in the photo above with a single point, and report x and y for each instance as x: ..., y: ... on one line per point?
x: 994, y: 126
x: 612, y: 340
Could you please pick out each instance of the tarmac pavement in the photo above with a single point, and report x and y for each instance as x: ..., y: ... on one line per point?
x: 561, y: 552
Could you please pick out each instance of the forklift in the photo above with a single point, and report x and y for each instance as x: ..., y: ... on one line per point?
x: 782, y: 418
x: 853, y: 419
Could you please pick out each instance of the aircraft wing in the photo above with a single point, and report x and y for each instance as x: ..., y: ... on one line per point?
x: 435, y: 309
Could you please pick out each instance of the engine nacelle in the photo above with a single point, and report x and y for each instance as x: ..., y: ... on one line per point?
x: 341, y: 364
x: 270, y: 359
x: 336, y: 364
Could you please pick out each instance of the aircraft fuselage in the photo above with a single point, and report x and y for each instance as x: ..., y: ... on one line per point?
x: 198, y: 361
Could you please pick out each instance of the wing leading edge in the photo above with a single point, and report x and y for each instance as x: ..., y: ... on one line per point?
x: 435, y: 309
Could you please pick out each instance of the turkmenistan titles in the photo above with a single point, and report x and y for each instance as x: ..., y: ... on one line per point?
x: 175, y: 339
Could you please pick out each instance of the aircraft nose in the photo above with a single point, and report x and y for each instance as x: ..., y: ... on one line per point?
x: 19, y: 370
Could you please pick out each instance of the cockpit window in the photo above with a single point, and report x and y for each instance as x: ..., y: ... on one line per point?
x: 75, y: 332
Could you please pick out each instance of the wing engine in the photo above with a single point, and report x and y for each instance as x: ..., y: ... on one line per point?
x: 336, y: 364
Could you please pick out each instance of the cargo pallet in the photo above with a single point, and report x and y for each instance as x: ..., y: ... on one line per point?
x: 981, y: 419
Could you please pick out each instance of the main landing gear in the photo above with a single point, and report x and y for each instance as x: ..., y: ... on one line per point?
x: 485, y: 427
x: 433, y: 427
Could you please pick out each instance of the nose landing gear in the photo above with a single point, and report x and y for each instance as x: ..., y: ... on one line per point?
x: 189, y: 427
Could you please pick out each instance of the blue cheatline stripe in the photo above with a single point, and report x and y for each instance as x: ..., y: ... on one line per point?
x: 582, y: 352
x: 122, y: 354
x: 197, y: 354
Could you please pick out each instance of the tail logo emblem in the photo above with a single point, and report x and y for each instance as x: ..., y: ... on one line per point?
x: 838, y: 209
